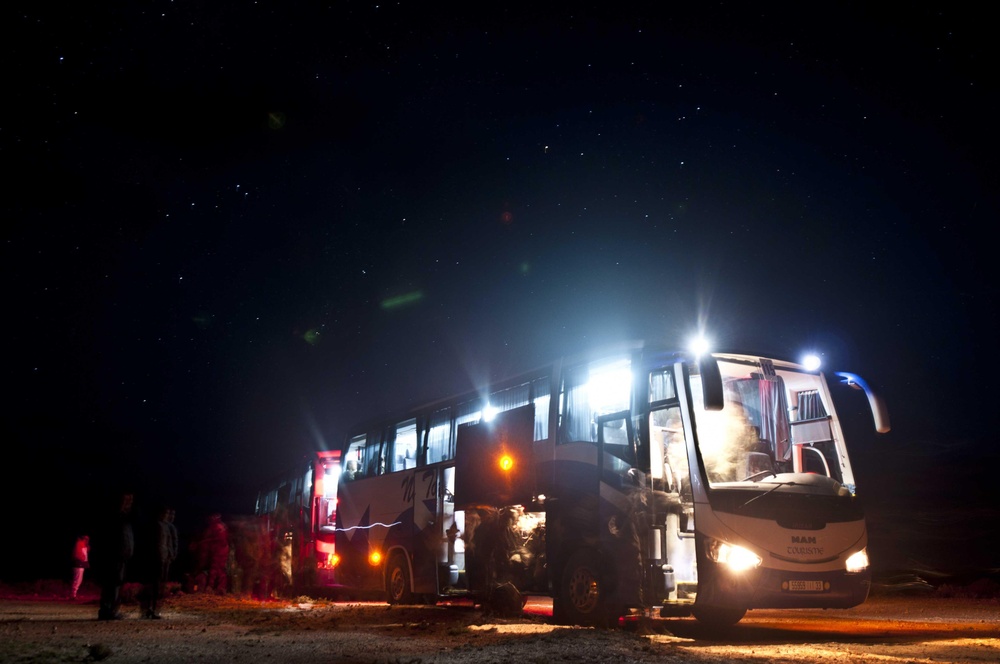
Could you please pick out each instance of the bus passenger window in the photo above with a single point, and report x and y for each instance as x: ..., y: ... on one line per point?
x: 405, y: 446
x: 439, y: 436
x: 374, y: 455
x: 667, y: 430
x: 356, y: 454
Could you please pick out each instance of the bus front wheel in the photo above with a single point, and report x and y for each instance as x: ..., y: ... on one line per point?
x: 397, y: 581
x: 582, y: 598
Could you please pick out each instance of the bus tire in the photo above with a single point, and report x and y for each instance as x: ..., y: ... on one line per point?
x: 397, y: 581
x: 582, y: 592
x: 717, y: 616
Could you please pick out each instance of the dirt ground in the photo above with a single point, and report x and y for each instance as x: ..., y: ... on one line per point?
x: 42, y: 627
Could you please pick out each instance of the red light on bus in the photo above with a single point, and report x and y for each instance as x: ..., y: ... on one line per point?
x: 506, y: 463
x: 374, y: 558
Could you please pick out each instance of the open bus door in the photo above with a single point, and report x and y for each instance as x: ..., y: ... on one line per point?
x: 620, y: 518
x: 494, y: 469
x: 428, y: 528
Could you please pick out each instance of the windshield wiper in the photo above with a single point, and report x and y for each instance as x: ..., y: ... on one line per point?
x: 768, y: 492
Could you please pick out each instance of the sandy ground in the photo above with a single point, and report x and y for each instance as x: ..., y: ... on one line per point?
x: 208, y: 628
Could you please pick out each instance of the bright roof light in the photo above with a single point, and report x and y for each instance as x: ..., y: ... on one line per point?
x: 609, y: 387
x: 811, y: 362
x: 699, y: 346
x: 490, y: 412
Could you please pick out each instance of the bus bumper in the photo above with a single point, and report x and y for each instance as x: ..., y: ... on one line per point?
x: 783, y: 589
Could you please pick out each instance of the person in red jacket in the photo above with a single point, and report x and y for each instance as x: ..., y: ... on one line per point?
x: 81, y: 561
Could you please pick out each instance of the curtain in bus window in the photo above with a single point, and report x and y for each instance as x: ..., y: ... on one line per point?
x: 354, y: 462
x: 747, y: 393
x: 766, y: 406
x: 661, y: 385
x: 470, y: 411
x: 541, y: 391
x: 375, y: 461
x: 578, y: 419
x: 774, y: 416
x: 511, y: 398
x: 811, y: 405
x: 439, y: 436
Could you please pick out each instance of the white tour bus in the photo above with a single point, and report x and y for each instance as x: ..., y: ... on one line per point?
x: 637, y: 480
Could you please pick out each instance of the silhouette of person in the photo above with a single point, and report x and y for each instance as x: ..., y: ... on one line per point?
x: 216, y: 544
x: 81, y: 561
x: 169, y: 542
x: 113, y: 550
x: 350, y: 470
x: 162, y: 550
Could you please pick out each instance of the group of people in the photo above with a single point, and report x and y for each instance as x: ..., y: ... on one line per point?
x: 241, y: 558
x: 121, y: 542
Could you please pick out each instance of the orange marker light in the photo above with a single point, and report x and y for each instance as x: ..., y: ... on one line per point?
x: 506, y: 462
x: 374, y: 558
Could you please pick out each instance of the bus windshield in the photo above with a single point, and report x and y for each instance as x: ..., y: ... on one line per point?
x: 778, y: 423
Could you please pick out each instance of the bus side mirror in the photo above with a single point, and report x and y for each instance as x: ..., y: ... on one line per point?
x: 880, y: 414
x: 711, y: 382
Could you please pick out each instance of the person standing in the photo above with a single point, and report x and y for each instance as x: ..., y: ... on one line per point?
x: 166, y: 547
x: 216, y: 543
x: 153, y: 557
x: 169, y: 542
x: 81, y: 561
x: 113, y: 550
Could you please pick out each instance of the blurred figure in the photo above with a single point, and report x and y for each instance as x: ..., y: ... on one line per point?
x: 162, y: 551
x: 113, y: 549
x: 81, y: 561
x: 169, y: 542
x: 249, y: 546
x: 216, y: 553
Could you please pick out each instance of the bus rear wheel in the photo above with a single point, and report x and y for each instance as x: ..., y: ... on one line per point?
x: 397, y: 581
x: 582, y: 598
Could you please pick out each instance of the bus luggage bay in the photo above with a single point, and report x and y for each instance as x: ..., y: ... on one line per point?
x: 635, y: 479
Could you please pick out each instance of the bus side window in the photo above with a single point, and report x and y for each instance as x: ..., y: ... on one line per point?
x: 439, y: 436
x: 374, y: 453
x: 405, y: 445
x: 356, y: 455
x: 576, y: 423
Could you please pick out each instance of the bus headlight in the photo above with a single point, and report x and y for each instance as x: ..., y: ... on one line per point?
x: 857, y: 562
x: 736, y: 558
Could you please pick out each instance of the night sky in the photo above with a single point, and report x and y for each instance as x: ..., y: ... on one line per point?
x: 235, y: 229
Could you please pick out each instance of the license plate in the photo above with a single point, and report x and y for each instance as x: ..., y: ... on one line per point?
x: 800, y: 586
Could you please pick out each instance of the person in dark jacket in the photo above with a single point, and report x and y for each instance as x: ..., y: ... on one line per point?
x: 112, y: 551
x: 161, y: 550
